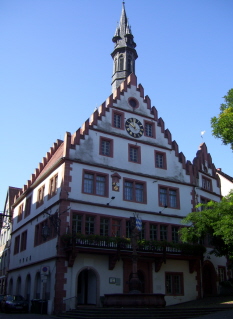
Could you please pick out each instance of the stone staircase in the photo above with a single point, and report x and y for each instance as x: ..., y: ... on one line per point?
x: 141, y: 313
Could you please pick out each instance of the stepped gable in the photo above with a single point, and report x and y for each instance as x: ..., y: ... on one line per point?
x: 13, y: 191
x: 56, y: 152
x: 203, y: 162
x: 116, y: 95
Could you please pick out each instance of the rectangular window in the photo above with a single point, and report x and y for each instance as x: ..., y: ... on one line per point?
x: 104, y: 226
x: 204, y: 200
x: 134, y: 191
x: 23, y: 241
x: 168, y: 197
x: 142, y: 232
x: 37, y: 235
x: 206, y: 183
x: 77, y: 223
x: 40, y: 196
x: 16, y: 247
x: 174, y: 284
x: 118, y: 120
x: 95, y: 183
x: 153, y: 232
x: 160, y: 160
x: 90, y: 225
x: 134, y: 154
x: 149, y: 129
x: 20, y: 213
x: 116, y: 228
x: 128, y: 229
x: 53, y: 185
x: 106, y: 147
x: 163, y: 233
x: 175, y: 234
x: 221, y: 273
x: 28, y: 206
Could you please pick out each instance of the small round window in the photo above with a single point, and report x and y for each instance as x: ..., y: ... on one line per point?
x: 133, y: 102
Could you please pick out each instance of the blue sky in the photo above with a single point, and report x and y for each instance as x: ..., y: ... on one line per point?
x: 56, y: 69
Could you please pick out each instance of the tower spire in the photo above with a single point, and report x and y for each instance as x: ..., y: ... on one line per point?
x: 124, y: 53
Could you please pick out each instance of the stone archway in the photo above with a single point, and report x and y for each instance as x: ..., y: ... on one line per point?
x: 87, y: 287
x: 18, y: 286
x: 209, y: 278
x: 28, y: 287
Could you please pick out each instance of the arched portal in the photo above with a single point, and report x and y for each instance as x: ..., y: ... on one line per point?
x: 37, y: 286
x: 18, y: 286
x: 87, y: 287
x: 28, y: 287
x: 10, y: 287
x: 209, y: 279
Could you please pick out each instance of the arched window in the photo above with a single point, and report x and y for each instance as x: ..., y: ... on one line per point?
x: 121, y: 63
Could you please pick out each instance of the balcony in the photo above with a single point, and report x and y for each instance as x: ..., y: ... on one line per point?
x: 117, y: 247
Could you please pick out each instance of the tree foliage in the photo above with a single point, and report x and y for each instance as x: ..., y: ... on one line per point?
x: 222, y: 126
x: 214, y: 219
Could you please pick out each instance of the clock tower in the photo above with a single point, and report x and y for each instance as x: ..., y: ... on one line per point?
x: 124, y: 53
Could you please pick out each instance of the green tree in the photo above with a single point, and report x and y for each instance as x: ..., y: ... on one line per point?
x: 214, y: 219
x: 222, y: 126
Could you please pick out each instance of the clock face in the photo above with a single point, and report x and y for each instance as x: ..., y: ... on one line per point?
x: 134, y: 127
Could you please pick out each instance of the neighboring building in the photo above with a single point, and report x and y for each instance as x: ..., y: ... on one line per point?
x: 5, y: 237
x: 121, y: 163
x: 226, y: 182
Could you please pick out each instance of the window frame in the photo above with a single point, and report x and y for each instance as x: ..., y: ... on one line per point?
x: 205, y: 181
x: 152, y: 128
x: 95, y: 175
x: 175, y: 234
x: 28, y: 206
x: 153, y: 231
x: 163, y: 154
x: 105, y: 139
x: 104, y: 226
x: 16, y: 244
x: 122, y: 115
x: 163, y: 232
x: 20, y: 213
x: 53, y: 186
x: 90, y: 225
x: 173, y: 292
x: 222, y: 273
x: 40, y: 196
x: 168, y: 204
x: 78, y: 223
x: 23, y: 243
x: 134, y: 183
x: 138, y: 149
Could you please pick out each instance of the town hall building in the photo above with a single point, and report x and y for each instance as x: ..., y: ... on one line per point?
x: 72, y: 221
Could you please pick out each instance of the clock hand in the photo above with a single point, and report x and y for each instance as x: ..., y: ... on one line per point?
x: 132, y: 125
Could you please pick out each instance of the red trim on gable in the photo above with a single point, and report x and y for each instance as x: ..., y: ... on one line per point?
x: 147, y: 101
x: 141, y: 90
x: 161, y: 124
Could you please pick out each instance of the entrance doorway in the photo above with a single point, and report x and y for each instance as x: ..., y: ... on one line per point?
x: 209, y: 279
x: 87, y: 287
